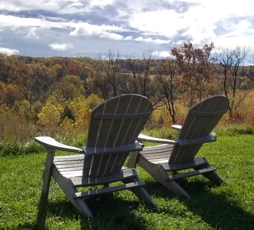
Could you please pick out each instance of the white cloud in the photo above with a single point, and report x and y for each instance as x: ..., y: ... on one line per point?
x: 101, y: 3
x: 158, y: 41
x: 8, y: 51
x: 60, y: 47
x: 113, y: 23
x: 31, y: 34
x: 89, y: 30
x: 128, y: 38
x: 55, y: 6
x: 112, y: 36
x: 198, y: 24
x: 162, y: 54
x: 15, y: 22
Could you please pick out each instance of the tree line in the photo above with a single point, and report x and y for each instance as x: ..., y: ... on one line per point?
x: 192, y: 74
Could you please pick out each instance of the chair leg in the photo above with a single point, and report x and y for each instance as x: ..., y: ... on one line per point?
x: 78, y: 203
x: 214, y: 177
x: 161, y: 175
x: 69, y: 189
x: 47, y: 173
x: 133, y: 157
x: 140, y: 192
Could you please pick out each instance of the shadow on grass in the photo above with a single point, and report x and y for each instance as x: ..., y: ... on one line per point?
x: 220, y: 210
x: 109, y: 213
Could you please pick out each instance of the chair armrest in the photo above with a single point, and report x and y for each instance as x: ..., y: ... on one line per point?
x: 50, y: 142
x: 90, y: 151
x: 195, y: 141
x: 176, y: 127
x: 142, y: 137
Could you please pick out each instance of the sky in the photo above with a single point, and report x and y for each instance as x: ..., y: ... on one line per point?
x: 78, y: 28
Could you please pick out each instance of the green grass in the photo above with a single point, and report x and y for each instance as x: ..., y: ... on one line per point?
x: 210, y: 207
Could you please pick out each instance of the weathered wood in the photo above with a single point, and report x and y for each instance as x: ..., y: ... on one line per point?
x: 110, y: 150
x: 192, y: 173
x: 114, y: 128
x: 121, y: 116
x: 195, y: 163
x: 209, y: 113
x: 195, y: 141
x: 180, y: 154
x: 52, y: 143
x: 48, y: 171
x: 176, y: 127
x: 89, y: 181
x: 142, y: 137
x: 109, y: 189
x: 133, y: 159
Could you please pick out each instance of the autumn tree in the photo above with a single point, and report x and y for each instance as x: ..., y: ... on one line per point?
x: 231, y: 62
x: 196, y: 66
x: 166, y: 75
x: 43, y: 79
x: 9, y: 93
x: 73, y: 67
x: 144, y: 78
x: 70, y: 87
x: 132, y: 65
x: 110, y: 65
x: 25, y: 80
x: 99, y: 85
x: 4, y: 68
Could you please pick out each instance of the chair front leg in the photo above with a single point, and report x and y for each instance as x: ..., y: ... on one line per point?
x: 133, y: 158
x: 48, y: 171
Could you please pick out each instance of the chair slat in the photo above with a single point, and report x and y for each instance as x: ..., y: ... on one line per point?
x: 109, y: 189
x: 111, y: 116
x: 193, y: 173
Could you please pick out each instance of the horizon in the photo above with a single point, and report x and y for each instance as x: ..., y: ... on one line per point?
x: 74, y: 28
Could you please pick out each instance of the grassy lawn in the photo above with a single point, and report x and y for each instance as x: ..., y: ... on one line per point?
x: 210, y: 207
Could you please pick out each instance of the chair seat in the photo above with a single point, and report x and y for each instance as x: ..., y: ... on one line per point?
x: 70, y: 166
x: 157, y: 154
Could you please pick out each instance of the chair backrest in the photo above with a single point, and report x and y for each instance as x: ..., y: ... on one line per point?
x: 199, y: 123
x: 114, y: 127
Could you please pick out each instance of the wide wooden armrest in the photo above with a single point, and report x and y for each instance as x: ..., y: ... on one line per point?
x: 176, y: 127
x: 109, y: 150
x: 142, y: 137
x: 196, y: 141
x: 52, y: 143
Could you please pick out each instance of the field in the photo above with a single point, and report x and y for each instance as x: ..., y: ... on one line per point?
x: 210, y: 207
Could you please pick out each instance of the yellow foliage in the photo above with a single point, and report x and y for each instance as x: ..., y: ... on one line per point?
x: 51, y: 112
x: 82, y: 108
x: 82, y: 113
x: 160, y: 118
x: 4, y: 107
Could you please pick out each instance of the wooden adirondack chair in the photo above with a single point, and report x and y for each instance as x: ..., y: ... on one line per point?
x: 114, y: 128
x: 180, y: 154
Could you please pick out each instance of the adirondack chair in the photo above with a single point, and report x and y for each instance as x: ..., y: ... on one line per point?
x: 176, y: 155
x: 114, y: 128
